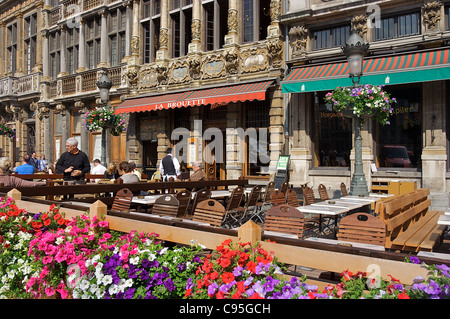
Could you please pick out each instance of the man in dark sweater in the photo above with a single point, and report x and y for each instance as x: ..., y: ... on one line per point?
x: 73, y: 164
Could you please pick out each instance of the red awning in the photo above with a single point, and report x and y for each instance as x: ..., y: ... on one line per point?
x: 221, y: 95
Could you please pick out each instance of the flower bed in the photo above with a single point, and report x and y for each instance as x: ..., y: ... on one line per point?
x: 47, y: 256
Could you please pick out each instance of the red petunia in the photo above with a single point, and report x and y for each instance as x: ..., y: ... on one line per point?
x: 47, y: 222
x: 227, y: 277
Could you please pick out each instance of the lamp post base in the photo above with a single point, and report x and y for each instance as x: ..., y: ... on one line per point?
x: 358, y: 185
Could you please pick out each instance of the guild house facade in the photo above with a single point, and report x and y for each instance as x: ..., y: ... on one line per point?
x: 231, y: 83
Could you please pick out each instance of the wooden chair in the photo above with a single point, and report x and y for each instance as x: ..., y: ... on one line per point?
x: 166, y: 205
x: 284, y: 187
x: 323, y: 192
x: 251, y: 210
x: 266, y: 200
x: 234, y: 210
x: 362, y: 228
x: 184, y: 198
x: 284, y: 219
x: 199, y: 196
x: 292, y: 198
x: 209, y: 211
x: 278, y: 198
x: 344, y: 189
x: 122, y: 200
x: 308, y: 196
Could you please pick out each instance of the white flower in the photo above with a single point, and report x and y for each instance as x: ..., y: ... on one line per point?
x: 134, y: 260
x: 106, y: 280
x: 114, y: 289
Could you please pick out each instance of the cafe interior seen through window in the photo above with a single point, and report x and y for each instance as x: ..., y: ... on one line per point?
x: 333, y: 135
x: 399, y: 144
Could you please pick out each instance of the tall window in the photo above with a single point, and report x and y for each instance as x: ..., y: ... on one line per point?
x: 150, y: 25
x: 398, y: 26
x: 330, y: 37
x: 12, y: 47
x: 257, y: 122
x: 399, y: 144
x: 256, y: 19
x: 93, y: 42
x: 72, y: 38
x: 181, y: 17
x: 117, y: 26
x: 30, y: 41
x: 332, y: 135
x: 54, y: 50
x: 215, y: 21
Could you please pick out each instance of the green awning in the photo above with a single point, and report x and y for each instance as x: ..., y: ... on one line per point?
x: 399, y: 69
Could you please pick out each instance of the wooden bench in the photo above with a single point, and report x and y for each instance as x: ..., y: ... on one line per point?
x: 410, y: 224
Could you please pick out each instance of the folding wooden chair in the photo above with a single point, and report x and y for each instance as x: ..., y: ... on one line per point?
x: 234, y: 210
x: 278, y: 198
x: 292, y: 198
x: 199, y: 196
x: 251, y: 210
x: 284, y: 187
x: 362, y: 228
x: 344, y: 189
x: 266, y: 201
x: 312, y: 223
x: 209, y: 211
x: 122, y: 200
x: 166, y: 205
x: 323, y: 192
x: 184, y: 198
x: 284, y: 219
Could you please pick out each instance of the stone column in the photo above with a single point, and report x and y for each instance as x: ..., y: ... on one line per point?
x: 276, y: 128
x: 163, y: 51
x: 233, y: 23
x: 128, y: 28
x: 63, y: 64
x: 434, y: 154
x: 195, y: 45
x: 81, y: 47
x: 235, y: 155
x: 39, y: 26
x: 20, y: 52
x: 45, y: 56
x: 2, y: 48
x: 104, y: 47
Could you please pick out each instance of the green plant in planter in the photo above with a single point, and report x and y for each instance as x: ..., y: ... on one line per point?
x: 6, y: 129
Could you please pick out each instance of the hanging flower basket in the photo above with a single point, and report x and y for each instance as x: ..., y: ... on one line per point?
x: 6, y: 129
x: 362, y: 101
x: 104, y: 118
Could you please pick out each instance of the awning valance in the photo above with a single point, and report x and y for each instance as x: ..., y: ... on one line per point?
x: 422, y: 66
x: 220, y: 95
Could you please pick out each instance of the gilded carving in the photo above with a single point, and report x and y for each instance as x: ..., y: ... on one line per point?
x: 254, y: 59
x: 231, y: 60
x: 135, y: 45
x: 163, y: 38
x: 298, y: 36
x: 195, y: 29
x: 232, y: 20
x: 162, y: 71
x: 359, y: 23
x: 275, y: 49
x: 213, y: 66
x: 133, y: 75
x: 149, y: 78
x: 195, y: 67
x: 275, y: 10
x: 432, y: 14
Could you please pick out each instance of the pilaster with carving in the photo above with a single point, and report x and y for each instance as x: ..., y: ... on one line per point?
x: 298, y: 36
x: 431, y: 14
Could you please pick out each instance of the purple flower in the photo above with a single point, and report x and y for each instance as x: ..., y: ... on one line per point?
x: 237, y: 271
x: 414, y: 260
x: 212, y: 288
x: 433, y: 288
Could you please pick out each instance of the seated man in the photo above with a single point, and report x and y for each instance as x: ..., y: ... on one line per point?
x: 198, y: 174
x: 25, y: 168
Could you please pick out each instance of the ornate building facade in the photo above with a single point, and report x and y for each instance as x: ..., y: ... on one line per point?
x: 408, y: 55
x: 150, y: 49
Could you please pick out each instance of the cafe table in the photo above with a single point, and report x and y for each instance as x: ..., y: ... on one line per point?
x: 329, y: 210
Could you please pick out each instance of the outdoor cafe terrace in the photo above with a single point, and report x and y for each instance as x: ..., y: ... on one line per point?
x: 371, y: 235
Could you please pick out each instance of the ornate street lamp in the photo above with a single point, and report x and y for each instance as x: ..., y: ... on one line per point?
x: 104, y: 85
x: 355, y: 48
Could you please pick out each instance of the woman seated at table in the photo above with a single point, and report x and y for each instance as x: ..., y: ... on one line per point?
x: 127, y: 172
x: 112, y: 172
x: 12, y: 181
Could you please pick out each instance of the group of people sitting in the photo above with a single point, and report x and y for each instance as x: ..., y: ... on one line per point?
x: 74, y: 165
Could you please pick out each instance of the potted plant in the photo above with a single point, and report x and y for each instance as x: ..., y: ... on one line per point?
x: 104, y: 118
x: 362, y: 101
x: 6, y: 129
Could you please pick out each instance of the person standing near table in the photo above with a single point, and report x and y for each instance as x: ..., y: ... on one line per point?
x: 74, y: 163
x: 34, y: 161
x: 169, y: 166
